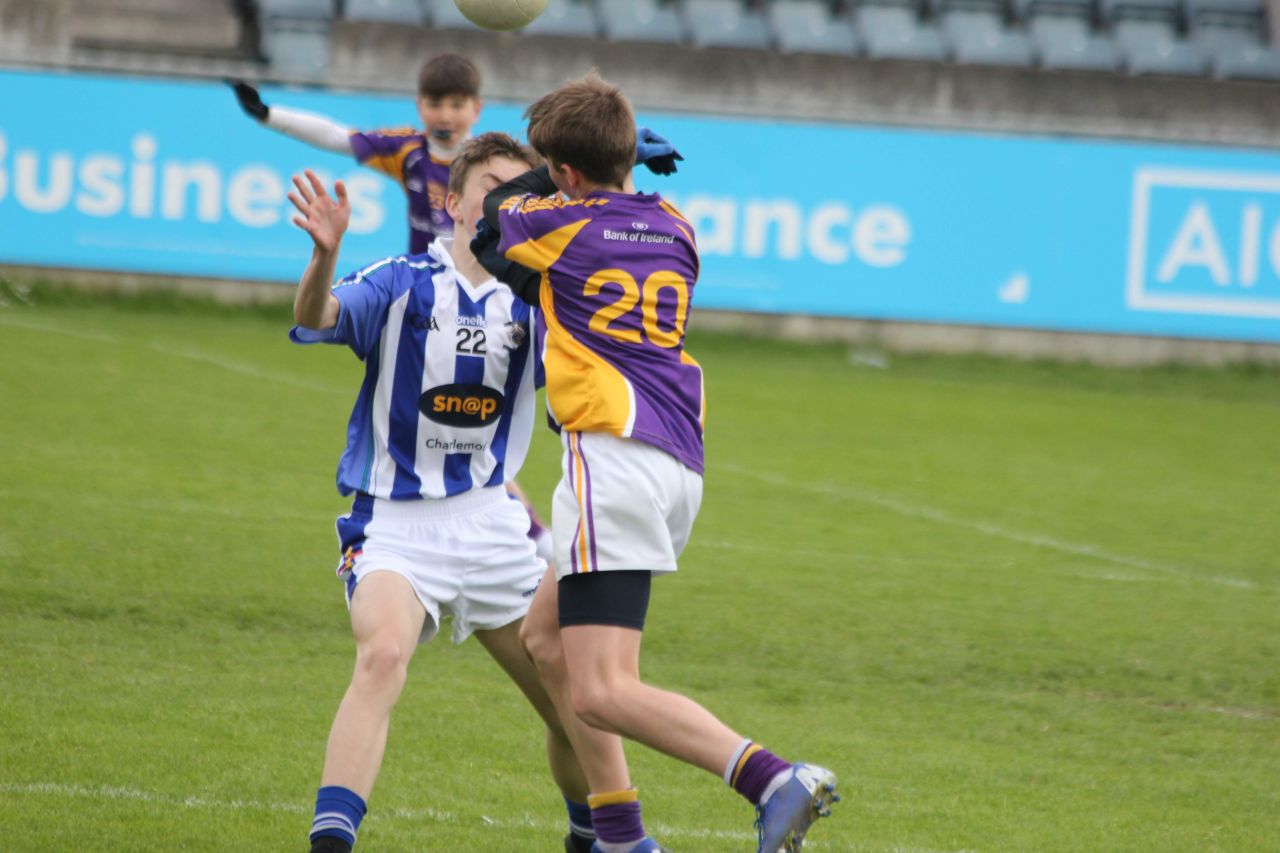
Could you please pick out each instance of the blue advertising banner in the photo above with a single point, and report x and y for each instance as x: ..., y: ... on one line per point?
x: 170, y: 177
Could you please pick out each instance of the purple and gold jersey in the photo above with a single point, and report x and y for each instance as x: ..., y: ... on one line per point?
x: 618, y: 271
x: 402, y: 155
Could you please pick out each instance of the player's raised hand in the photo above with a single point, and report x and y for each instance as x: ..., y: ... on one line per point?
x: 323, y: 217
x: 250, y: 100
x: 656, y: 153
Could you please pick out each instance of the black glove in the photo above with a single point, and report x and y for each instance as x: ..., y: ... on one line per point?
x: 250, y: 100
x: 523, y: 281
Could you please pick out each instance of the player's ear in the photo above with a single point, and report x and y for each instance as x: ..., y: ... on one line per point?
x: 453, y: 206
x: 574, y: 176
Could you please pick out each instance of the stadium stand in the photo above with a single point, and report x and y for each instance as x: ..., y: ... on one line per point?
x: 1233, y: 33
x: 370, y: 42
x: 726, y: 23
x: 1148, y: 34
x: 809, y: 26
x: 893, y: 31
x: 975, y: 32
x: 1063, y: 36
x: 641, y: 20
x: 444, y: 15
x: 391, y: 11
x: 145, y: 35
x: 572, y: 18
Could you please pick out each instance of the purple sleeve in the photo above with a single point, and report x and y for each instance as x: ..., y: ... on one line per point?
x: 385, y: 150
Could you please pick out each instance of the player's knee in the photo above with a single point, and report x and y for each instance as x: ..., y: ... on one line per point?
x: 383, y: 661
x: 596, y: 705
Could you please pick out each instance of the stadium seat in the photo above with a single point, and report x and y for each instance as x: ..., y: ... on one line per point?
x: 1153, y: 47
x: 1249, y: 62
x: 725, y: 23
x: 1141, y: 10
x: 894, y: 32
x: 640, y: 20
x: 1218, y: 36
x: 444, y: 15
x: 1062, y: 42
x: 979, y: 37
x: 566, y: 18
x: 1240, y: 13
x: 1146, y: 32
x: 1085, y: 10
x: 312, y: 9
x: 807, y: 26
x: 1232, y: 33
x: 297, y: 47
x: 391, y: 11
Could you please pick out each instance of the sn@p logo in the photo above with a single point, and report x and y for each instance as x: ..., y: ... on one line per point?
x: 461, y: 405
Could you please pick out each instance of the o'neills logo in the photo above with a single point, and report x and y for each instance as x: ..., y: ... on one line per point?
x: 461, y: 405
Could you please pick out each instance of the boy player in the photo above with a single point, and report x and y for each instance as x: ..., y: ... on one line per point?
x: 448, y: 104
x: 617, y: 272
x: 431, y: 531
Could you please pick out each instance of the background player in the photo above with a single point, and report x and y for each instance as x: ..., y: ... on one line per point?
x: 617, y: 273
x: 431, y: 531
x: 448, y: 104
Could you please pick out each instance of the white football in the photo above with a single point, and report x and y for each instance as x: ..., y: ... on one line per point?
x: 501, y: 14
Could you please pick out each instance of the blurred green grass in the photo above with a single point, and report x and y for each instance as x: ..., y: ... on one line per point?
x: 1017, y: 606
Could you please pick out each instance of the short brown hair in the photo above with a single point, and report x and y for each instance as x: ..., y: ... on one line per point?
x: 449, y: 74
x: 483, y: 148
x: 587, y: 124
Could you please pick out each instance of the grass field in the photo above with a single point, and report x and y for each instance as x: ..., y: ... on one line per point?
x: 1017, y: 607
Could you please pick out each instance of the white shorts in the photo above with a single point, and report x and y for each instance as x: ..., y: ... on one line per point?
x: 468, y: 556
x: 621, y: 505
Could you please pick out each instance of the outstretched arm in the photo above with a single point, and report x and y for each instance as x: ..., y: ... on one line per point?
x: 325, y: 219
x: 316, y: 130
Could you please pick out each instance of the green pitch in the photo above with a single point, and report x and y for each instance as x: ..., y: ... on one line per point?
x: 1016, y: 607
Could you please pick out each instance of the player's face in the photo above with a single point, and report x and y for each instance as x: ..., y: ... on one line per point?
x: 467, y: 209
x: 448, y: 120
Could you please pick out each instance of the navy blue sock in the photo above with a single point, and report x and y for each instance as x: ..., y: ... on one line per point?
x: 338, y: 813
x: 580, y: 822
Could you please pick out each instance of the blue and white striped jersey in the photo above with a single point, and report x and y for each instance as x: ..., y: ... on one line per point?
x: 447, y: 403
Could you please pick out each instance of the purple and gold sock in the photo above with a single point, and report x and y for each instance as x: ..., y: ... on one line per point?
x: 615, y: 816
x: 753, y: 770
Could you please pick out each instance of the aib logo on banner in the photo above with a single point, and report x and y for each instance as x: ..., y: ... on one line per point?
x: 1205, y: 242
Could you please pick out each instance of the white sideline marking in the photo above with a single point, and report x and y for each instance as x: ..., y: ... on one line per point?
x: 936, y: 515
x: 115, y: 792
x: 10, y: 320
x: 248, y: 370
x: 161, y: 506
x: 193, y: 355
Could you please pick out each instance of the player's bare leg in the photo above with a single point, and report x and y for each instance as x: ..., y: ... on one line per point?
x: 604, y: 667
x: 503, y: 644
x: 386, y: 619
x: 606, y: 690
x: 615, y: 806
x: 601, y: 752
